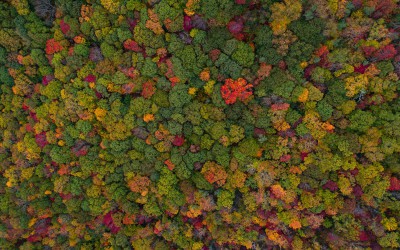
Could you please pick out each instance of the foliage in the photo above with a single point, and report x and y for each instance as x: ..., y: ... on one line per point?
x: 212, y: 124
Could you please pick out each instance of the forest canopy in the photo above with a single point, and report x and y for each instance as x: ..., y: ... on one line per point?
x: 199, y: 124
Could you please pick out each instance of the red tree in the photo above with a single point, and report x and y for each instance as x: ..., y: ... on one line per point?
x: 233, y: 90
x: 52, y: 46
x: 385, y: 53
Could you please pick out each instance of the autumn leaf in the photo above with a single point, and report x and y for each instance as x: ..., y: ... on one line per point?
x: 148, y: 117
x: 295, y: 224
x: 154, y: 23
x: 169, y: 164
x: 278, y: 191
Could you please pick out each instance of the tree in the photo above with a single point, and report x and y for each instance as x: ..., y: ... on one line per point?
x: 225, y: 199
x: 235, y: 90
x: 309, y: 31
x: 321, y: 75
x: 45, y: 10
x: 53, y: 46
x: 249, y: 147
x: 179, y: 96
x: 390, y: 240
x: 214, y: 173
x: 283, y: 14
x: 139, y: 184
x: 355, y: 85
x: 361, y: 120
x: 243, y: 55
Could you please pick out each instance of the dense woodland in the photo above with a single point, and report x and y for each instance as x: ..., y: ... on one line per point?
x: 199, y: 124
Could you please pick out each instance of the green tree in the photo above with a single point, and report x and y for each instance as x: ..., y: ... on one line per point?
x: 361, y: 120
x: 243, y: 55
x: 225, y: 199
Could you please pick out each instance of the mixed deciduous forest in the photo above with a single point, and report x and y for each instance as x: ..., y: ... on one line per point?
x: 199, y: 124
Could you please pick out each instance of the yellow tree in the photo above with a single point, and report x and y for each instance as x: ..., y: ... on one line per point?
x: 283, y: 14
